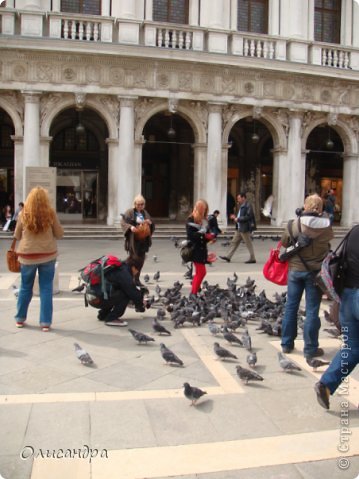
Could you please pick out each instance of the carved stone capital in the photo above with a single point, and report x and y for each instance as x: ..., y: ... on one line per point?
x: 31, y: 96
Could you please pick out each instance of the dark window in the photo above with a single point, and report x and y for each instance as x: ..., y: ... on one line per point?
x: 5, y: 137
x: 171, y: 11
x: 327, y: 21
x: 252, y: 16
x: 90, y: 7
x: 68, y: 140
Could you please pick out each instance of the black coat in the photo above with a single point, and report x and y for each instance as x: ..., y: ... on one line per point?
x: 198, y: 240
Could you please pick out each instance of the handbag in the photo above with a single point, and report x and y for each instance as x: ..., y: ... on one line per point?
x: 186, y: 252
x: 143, y: 230
x: 274, y: 269
x: 12, y: 258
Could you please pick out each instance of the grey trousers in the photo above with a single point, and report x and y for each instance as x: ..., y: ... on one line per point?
x: 237, y: 239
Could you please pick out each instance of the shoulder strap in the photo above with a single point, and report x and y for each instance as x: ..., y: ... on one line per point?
x: 103, y: 280
x: 290, y: 230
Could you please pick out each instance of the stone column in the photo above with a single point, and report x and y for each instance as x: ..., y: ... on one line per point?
x: 113, y: 174
x: 127, y: 171
x: 274, y: 17
x: 214, y: 156
x: 45, y: 142
x: 56, y: 5
x: 105, y: 8
x: 18, y: 169
x: 193, y: 13
x: 124, y: 9
x: 199, y: 171
x: 222, y: 207
x: 294, y: 183
x: 148, y: 11
x: 31, y: 131
x: 279, y: 189
x: 350, y: 211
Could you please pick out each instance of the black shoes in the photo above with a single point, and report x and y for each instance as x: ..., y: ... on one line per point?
x: 287, y: 350
x: 323, y: 394
x: 225, y: 259
x: 316, y: 354
x: 250, y: 261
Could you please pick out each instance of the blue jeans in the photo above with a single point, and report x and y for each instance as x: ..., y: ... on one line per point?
x: 46, y: 277
x: 348, y: 357
x: 298, y: 282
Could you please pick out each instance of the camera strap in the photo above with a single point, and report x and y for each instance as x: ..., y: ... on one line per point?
x: 290, y: 231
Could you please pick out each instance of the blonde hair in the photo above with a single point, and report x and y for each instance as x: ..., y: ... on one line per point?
x: 37, y: 214
x: 139, y: 199
x: 313, y: 203
x: 200, y: 210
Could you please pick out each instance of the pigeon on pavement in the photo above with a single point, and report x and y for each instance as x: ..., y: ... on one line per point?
x: 140, y: 337
x: 247, y: 375
x: 223, y: 353
x: 192, y: 393
x: 158, y: 328
x: 169, y: 356
x: 213, y: 328
x: 83, y: 355
x: 316, y: 363
x: 252, y: 359
x: 230, y: 337
x: 156, y: 276
x: 286, y: 364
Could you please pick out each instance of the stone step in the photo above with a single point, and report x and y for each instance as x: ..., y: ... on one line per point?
x: 81, y: 231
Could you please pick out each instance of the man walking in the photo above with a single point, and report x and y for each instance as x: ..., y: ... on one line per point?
x: 245, y: 224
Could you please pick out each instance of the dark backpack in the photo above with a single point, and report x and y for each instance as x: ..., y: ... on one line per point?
x: 331, y: 276
x: 93, y: 275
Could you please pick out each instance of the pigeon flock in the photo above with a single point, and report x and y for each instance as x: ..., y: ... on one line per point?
x: 226, y: 314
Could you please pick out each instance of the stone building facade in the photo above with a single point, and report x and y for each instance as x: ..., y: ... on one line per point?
x: 122, y: 103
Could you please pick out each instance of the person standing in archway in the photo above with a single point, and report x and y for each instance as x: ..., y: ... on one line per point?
x: 137, y: 228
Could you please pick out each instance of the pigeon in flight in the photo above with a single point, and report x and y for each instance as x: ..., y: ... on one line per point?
x: 246, y: 375
x: 83, y: 355
x: 140, y: 337
x: 286, y: 364
x: 169, y: 356
x: 267, y: 208
x: 156, y: 276
x: 223, y: 353
x: 192, y: 393
x: 158, y: 328
x: 316, y: 363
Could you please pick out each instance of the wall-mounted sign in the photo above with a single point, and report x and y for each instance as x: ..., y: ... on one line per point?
x: 42, y: 176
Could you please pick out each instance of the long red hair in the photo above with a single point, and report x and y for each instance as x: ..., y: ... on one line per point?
x: 37, y: 214
x: 200, y: 211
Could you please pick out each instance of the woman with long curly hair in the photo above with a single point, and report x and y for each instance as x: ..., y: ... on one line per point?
x: 198, y: 234
x: 37, y: 230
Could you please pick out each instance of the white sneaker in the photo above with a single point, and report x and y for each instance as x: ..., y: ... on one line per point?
x: 116, y: 322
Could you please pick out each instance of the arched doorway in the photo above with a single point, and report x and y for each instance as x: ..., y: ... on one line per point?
x: 79, y: 152
x: 324, y: 164
x: 250, y: 161
x: 167, y: 164
x: 6, y: 162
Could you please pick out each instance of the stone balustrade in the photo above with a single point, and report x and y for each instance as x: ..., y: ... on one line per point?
x: 92, y: 28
